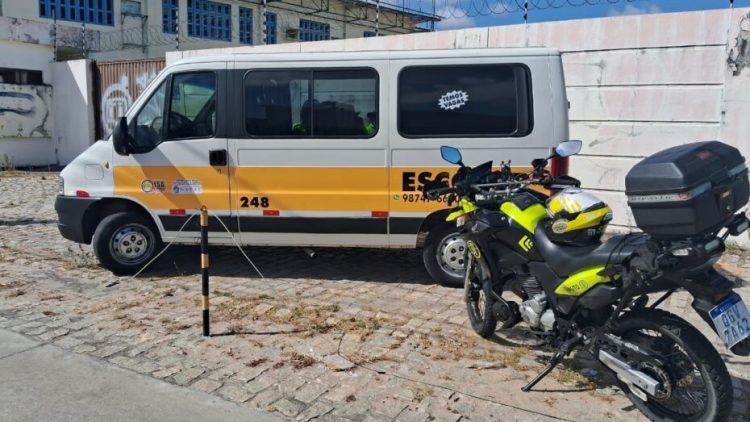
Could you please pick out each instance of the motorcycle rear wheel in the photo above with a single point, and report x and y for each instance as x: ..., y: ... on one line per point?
x: 700, y: 388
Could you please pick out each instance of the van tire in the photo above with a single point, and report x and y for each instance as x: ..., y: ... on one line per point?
x: 125, y: 241
x: 444, y: 236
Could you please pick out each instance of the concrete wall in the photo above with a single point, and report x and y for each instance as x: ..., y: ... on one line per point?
x: 73, y: 108
x: 26, y: 121
x: 636, y: 84
x: 44, y: 124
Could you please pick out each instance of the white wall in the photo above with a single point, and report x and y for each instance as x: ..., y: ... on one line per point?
x: 636, y: 84
x: 26, y: 129
x: 52, y: 123
x: 73, y: 107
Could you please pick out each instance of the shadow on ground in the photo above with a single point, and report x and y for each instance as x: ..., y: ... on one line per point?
x: 365, y: 264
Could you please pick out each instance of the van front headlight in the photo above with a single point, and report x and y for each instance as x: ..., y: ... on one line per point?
x: 60, y: 185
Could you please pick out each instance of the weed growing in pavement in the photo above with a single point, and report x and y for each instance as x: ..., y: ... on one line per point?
x: 256, y: 362
x: 79, y: 258
x: 8, y: 166
x: 312, y: 319
x: 300, y: 361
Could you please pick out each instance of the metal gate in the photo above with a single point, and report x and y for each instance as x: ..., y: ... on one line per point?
x: 118, y: 84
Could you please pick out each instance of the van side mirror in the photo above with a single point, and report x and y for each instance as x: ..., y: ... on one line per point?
x: 121, y: 139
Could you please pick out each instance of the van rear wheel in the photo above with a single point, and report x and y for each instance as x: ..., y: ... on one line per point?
x: 125, y: 241
x: 444, y: 255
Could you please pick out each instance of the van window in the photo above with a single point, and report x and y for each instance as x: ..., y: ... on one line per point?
x: 150, y: 120
x: 464, y: 101
x: 192, y: 111
x: 311, y: 103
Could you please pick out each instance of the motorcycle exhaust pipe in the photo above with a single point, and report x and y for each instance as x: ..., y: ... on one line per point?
x: 627, y: 374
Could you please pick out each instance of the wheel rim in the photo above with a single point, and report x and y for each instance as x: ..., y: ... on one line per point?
x: 451, y: 254
x: 684, y: 392
x: 132, y: 244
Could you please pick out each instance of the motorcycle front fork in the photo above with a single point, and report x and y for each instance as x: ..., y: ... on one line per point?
x: 468, y: 276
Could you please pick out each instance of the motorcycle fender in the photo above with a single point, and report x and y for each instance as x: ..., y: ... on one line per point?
x: 707, y: 292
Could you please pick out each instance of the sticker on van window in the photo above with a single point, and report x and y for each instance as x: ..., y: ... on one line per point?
x: 453, y: 100
x: 187, y: 187
x: 153, y: 186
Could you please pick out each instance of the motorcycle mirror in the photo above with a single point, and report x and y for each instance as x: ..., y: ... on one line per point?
x: 568, y: 148
x: 451, y: 155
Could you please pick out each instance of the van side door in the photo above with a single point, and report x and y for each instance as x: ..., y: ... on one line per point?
x: 309, y: 153
x: 180, y: 163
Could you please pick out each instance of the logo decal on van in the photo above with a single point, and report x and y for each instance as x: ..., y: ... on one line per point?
x: 153, y: 186
x: 187, y: 187
x: 453, y: 100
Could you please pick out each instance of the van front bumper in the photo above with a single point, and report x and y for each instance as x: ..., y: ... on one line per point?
x: 70, y: 213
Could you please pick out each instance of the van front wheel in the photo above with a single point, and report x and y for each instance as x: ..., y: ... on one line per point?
x: 125, y: 241
x: 444, y: 255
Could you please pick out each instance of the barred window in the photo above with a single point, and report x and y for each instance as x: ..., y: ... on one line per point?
x: 270, y: 28
x: 169, y: 15
x: 314, y: 31
x: 99, y: 12
x: 246, y: 25
x: 211, y: 20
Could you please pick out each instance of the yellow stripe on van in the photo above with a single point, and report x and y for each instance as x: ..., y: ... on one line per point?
x: 154, y: 186
x: 312, y: 188
x: 339, y: 189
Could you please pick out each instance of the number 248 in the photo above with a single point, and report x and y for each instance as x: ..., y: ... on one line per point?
x: 255, y: 201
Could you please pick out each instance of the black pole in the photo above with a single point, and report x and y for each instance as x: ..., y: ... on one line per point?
x: 204, y: 269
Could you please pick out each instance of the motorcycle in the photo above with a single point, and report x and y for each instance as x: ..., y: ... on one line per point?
x: 593, y: 295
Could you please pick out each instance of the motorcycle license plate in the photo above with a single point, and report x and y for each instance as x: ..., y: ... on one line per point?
x: 732, y: 320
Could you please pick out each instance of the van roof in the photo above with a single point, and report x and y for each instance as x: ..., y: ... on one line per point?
x: 373, y: 55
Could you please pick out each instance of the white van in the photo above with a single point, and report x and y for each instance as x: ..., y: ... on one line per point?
x: 315, y: 149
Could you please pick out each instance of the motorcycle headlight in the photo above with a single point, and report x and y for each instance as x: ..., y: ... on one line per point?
x: 60, y: 185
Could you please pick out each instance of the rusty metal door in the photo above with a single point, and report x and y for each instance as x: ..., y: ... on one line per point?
x: 117, y: 85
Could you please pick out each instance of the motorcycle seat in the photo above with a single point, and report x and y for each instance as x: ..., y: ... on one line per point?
x: 566, y: 260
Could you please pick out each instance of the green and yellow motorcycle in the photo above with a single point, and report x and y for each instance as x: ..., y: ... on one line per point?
x: 577, y: 291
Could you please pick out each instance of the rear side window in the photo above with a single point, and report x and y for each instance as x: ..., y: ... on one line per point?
x: 311, y: 103
x: 464, y: 101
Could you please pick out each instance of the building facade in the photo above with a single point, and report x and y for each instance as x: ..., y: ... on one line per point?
x: 132, y: 29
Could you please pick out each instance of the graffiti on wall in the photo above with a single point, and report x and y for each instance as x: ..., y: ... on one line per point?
x: 118, y: 97
x: 25, y: 111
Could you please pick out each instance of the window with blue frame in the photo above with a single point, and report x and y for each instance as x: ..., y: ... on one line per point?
x: 314, y: 31
x: 169, y: 13
x: 208, y: 19
x: 270, y: 28
x: 98, y: 12
x: 246, y: 25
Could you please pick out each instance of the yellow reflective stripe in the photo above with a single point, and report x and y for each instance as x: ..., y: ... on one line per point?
x: 581, y: 282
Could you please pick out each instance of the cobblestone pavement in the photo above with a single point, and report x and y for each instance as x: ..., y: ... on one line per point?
x: 354, y: 334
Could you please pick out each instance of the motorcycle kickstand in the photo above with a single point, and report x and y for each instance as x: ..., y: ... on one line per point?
x: 565, y: 349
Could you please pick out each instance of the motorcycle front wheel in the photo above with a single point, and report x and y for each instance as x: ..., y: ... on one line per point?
x: 695, y: 384
x: 478, y: 304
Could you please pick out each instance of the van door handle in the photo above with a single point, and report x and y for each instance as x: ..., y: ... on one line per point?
x: 217, y: 157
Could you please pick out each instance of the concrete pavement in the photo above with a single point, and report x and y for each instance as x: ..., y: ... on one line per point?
x: 41, y: 382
